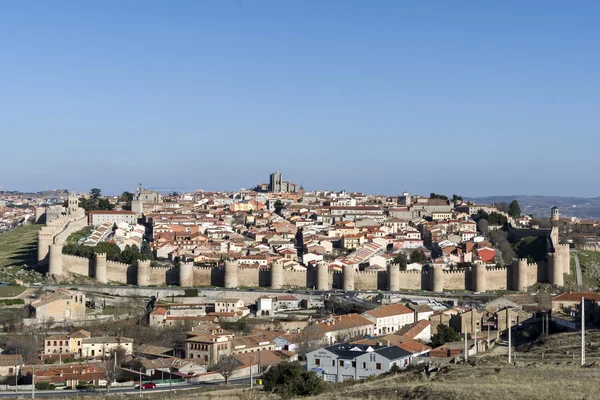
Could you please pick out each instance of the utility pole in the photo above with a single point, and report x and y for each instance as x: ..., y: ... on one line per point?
x: 582, y: 331
x: 251, y: 361
x: 16, y: 366
x: 33, y: 381
x: 543, y: 325
x: 509, y: 327
x: 548, y: 315
x: 466, y: 344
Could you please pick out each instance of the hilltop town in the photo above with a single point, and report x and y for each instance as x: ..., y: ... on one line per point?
x: 152, y: 290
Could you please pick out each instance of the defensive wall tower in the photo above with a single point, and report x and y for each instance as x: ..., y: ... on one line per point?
x: 45, y: 239
x: 231, y: 274
x: 186, y: 273
x: 276, y: 275
x: 520, y: 281
x: 437, y: 279
x: 39, y: 213
x: 554, y: 237
x: 143, y: 272
x: 479, y: 274
x: 555, y: 269
x: 393, y: 277
x: 348, y: 277
x: 322, y: 276
x: 55, y: 267
x: 565, y: 253
x: 100, y: 268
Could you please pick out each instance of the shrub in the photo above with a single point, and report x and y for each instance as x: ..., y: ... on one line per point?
x: 289, y: 380
x: 191, y: 292
x: 44, y: 386
x: 11, y: 302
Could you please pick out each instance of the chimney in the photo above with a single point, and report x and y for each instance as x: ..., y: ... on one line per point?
x: 388, y: 343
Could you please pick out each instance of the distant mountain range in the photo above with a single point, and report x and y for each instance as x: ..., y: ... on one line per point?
x: 539, y: 206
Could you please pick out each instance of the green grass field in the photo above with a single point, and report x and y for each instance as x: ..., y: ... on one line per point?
x: 11, y: 291
x: 19, y: 246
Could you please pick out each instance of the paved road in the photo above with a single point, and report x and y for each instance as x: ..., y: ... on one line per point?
x: 578, y: 268
x: 118, y: 390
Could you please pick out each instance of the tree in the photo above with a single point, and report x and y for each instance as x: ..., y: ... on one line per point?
x: 402, y: 260
x: 127, y: 198
x: 278, y: 206
x: 444, y: 335
x: 456, y: 198
x: 226, y: 366
x: 483, y: 225
x: 147, y: 251
x: 438, y: 196
x: 502, y: 206
x: 288, y: 379
x: 95, y: 193
x: 418, y: 257
x: 112, y: 364
x: 104, y: 204
x: 514, y: 210
x: 311, y: 339
x: 174, y: 194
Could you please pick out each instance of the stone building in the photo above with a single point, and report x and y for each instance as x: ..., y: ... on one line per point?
x: 100, y: 217
x: 102, y: 346
x: 61, y: 305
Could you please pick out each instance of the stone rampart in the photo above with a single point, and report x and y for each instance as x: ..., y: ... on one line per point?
x: 248, y: 277
x: 77, y: 265
x: 116, y: 272
x: 68, y: 228
x: 411, y: 280
x: 455, y: 280
x: 158, y: 275
x: 365, y: 280
x: 497, y: 278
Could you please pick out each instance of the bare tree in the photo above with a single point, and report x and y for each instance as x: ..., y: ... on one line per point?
x: 483, y: 225
x: 311, y: 339
x: 112, y: 365
x: 226, y: 366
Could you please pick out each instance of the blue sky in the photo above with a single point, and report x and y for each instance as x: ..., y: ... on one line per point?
x: 469, y: 97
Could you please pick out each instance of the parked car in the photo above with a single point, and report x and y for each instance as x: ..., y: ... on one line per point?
x: 149, y: 385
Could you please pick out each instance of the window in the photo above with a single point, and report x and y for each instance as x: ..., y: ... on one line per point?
x: 317, y: 361
x: 378, y: 366
x: 333, y: 363
x: 364, y: 365
x: 341, y: 363
x: 353, y: 364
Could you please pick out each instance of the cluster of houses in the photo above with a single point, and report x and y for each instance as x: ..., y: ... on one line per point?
x: 302, y: 229
x: 337, y: 347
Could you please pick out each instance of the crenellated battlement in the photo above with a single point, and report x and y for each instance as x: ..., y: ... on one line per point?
x: 411, y: 272
x: 455, y: 272
x: 160, y: 268
x: 77, y: 258
x: 203, y: 268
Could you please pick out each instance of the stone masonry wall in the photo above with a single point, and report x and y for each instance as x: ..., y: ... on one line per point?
x: 116, y: 272
x: 411, y: 280
x: 497, y: 278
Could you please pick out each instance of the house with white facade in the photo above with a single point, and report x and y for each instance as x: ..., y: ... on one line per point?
x: 390, y: 318
x: 345, y: 361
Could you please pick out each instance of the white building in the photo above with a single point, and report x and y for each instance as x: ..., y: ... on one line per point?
x: 102, y: 346
x: 97, y: 218
x: 342, y: 362
x: 390, y: 318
